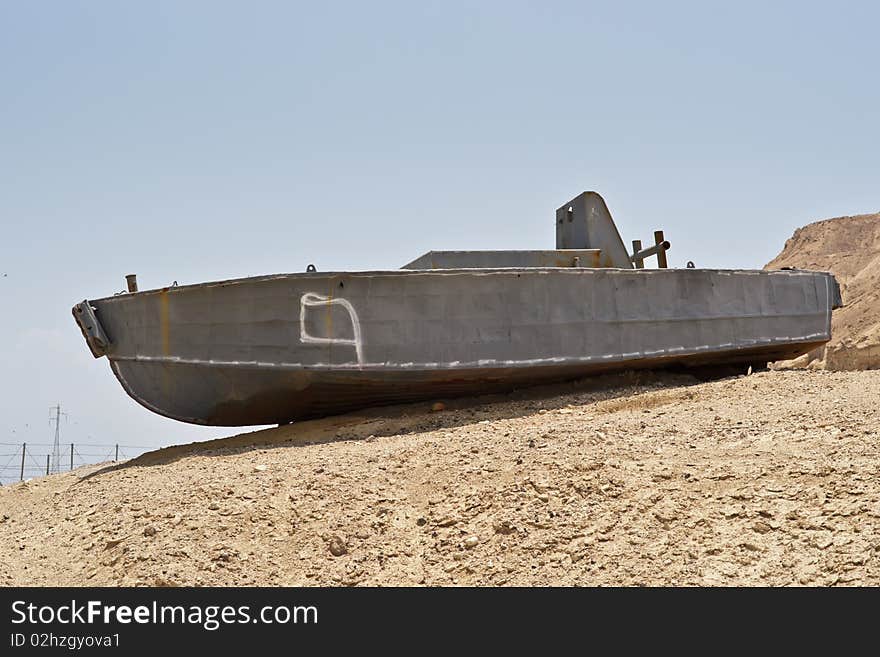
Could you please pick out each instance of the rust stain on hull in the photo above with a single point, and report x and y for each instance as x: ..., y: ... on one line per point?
x: 164, y: 322
x: 254, y: 396
x: 247, y: 351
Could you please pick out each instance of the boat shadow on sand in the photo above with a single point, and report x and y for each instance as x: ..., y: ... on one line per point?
x: 607, y: 393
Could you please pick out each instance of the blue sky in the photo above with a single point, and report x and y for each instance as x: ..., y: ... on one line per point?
x: 193, y: 141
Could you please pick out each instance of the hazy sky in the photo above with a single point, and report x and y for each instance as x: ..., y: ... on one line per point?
x: 193, y: 141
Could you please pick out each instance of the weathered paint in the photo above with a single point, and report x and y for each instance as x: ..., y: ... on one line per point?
x: 239, y: 357
x: 584, y: 222
x: 513, y: 259
x: 164, y: 322
x: 278, y: 348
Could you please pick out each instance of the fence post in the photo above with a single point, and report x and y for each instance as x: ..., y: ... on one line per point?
x: 117, y: 452
x: 71, y: 457
x: 23, y: 449
x: 47, y: 464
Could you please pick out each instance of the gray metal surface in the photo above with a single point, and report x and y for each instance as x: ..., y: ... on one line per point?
x: 585, y: 223
x: 279, y: 348
x: 499, y: 259
x: 96, y: 339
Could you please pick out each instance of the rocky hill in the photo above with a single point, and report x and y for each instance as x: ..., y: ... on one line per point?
x: 849, y: 247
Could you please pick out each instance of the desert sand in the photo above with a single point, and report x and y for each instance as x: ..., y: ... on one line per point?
x: 767, y: 479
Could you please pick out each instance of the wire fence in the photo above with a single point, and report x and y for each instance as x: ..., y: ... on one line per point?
x: 22, y: 461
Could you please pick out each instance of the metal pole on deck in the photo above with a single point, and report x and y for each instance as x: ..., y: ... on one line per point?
x: 661, y: 254
x: 637, y: 246
x: 117, y: 452
x: 23, y: 450
x: 48, y: 457
x: 71, y: 456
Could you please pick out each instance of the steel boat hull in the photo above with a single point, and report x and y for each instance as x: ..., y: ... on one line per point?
x: 275, y: 349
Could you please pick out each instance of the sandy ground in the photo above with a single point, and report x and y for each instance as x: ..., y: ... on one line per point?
x: 772, y: 478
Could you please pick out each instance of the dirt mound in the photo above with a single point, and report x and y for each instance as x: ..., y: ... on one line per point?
x: 849, y: 247
x: 763, y: 479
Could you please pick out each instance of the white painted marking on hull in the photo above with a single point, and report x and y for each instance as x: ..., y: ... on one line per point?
x: 312, y: 300
x: 558, y: 360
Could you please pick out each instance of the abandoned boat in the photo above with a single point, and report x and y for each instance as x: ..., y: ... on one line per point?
x: 274, y: 349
